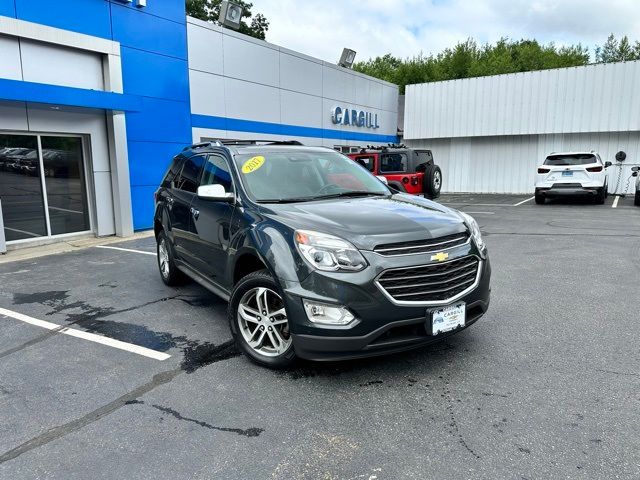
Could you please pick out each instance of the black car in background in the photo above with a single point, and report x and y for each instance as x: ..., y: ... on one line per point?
x: 317, y: 257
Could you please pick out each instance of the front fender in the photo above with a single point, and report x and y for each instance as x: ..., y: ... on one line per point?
x: 274, y: 243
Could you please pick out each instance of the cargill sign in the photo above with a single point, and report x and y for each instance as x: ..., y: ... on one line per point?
x: 354, y: 117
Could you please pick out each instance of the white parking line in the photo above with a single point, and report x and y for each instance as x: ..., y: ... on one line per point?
x: 615, y: 202
x: 524, y: 201
x: 92, y: 337
x: 480, y: 213
x: 127, y: 250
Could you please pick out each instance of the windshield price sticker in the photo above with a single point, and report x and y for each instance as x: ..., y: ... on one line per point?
x: 253, y: 164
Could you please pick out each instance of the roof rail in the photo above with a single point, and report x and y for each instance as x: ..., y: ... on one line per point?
x: 259, y: 142
x: 214, y: 143
x: 220, y: 142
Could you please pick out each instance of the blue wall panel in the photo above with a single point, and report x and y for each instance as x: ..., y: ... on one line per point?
x: 153, y: 75
x: 151, y: 161
x: 160, y: 121
x: 170, y: 10
x: 8, y: 8
x: 84, y: 16
x: 137, y: 29
x: 142, y: 199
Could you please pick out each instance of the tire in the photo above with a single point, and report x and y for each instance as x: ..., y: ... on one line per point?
x: 636, y: 200
x: 540, y: 199
x: 600, y: 196
x: 166, y: 263
x: 432, y: 182
x: 268, y: 328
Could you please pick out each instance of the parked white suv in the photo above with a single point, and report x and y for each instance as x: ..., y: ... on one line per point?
x: 636, y: 174
x: 572, y: 173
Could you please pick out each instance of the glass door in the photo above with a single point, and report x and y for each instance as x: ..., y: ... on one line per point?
x: 65, y: 184
x: 21, y: 188
x: 42, y: 186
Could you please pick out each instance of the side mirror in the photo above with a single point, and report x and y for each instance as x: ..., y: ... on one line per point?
x: 607, y: 164
x: 635, y: 169
x: 215, y: 192
x: 383, y: 179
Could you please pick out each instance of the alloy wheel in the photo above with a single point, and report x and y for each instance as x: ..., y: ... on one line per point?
x: 163, y: 258
x: 437, y: 180
x: 262, y: 321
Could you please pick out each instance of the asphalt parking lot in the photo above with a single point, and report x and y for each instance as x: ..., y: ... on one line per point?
x: 546, y: 385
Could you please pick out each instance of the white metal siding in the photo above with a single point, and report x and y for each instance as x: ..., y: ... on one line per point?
x: 257, y: 81
x: 593, y: 98
x: 507, y: 164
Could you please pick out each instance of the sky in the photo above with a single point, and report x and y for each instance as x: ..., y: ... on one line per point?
x: 322, y: 28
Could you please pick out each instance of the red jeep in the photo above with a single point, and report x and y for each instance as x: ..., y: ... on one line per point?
x: 406, y: 169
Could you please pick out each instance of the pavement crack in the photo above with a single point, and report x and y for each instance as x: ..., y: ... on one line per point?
x: 205, y: 355
x: 91, y: 417
x: 248, y: 432
x: 613, y: 372
x: 454, y: 422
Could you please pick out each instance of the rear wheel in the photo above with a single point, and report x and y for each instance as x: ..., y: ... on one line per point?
x: 166, y: 263
x: 600, y: 196
x: 636, y: 201
x: 432, y: 182
x: 259, y: 322
x: 539, y: 199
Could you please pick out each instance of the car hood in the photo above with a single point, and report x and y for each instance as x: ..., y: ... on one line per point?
x: 370, y: 221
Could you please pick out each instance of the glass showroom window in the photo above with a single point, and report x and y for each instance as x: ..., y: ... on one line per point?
x: 42, y: 186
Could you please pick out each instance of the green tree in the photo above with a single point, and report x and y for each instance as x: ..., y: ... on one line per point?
x: 615, y: 50
x: 209, y: 11
x: 469, y: 59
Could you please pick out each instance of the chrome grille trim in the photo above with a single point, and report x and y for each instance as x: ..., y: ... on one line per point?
x: 425, y: 246
x: 467, y: 285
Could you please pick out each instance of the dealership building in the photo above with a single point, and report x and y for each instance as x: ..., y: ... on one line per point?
x: 97, y: 96
x: 488, y: 134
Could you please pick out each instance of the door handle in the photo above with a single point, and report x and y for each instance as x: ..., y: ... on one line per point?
x: 195, y: 213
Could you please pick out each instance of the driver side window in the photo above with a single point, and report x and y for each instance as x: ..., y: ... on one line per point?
x: 216, y: 171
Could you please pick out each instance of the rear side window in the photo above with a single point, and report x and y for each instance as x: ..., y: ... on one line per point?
x: 216, y: 171
x: 173, y: 172
x: 188, y: 179
x: 367, y: 162
x: 393, y: 162
x: 578, y: 159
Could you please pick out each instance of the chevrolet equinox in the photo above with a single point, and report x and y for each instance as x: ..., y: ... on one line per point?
x: 317, y: 257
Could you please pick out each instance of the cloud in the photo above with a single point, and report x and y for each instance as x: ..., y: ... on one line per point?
x: 321, y: 28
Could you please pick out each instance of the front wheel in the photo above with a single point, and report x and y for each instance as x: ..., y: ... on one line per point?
x: 258, y: 321
x: 432, y: 181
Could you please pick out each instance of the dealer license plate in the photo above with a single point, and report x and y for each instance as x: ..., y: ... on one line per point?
x: 567, y: 174
x: 447, y: 318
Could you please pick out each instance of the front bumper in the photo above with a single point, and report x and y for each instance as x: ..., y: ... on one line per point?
x: 380, y: 326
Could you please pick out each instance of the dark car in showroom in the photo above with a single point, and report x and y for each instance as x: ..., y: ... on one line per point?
x: 317, y: 258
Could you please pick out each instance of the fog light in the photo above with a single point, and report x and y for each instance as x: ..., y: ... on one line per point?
x: 327, y: 314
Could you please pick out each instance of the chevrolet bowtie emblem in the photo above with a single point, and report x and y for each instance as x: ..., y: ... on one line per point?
x: 440, y: 257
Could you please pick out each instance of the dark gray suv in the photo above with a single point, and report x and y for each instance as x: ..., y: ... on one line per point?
x: 316, y: 256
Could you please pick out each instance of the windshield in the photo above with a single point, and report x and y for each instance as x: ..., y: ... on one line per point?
x: 578, y: 159
x: 295, y: 175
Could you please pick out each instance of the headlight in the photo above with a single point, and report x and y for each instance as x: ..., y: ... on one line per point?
x: 328, y: 253
x: 474, y: 229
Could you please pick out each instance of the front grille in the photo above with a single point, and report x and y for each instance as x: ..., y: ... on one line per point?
x: 422, y: 246
x: 430, y: 283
